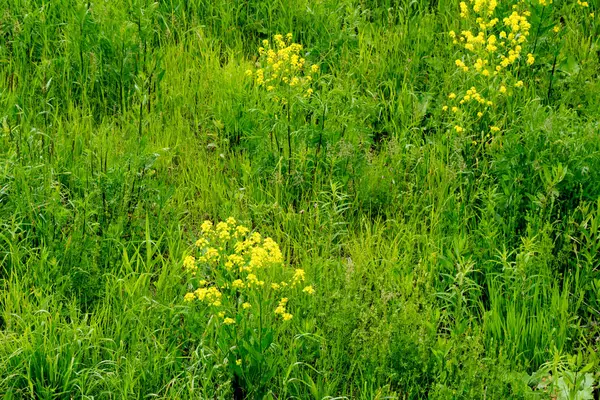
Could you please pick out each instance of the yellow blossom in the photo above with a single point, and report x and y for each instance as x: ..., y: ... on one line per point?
x: 189, y: 297
x: 309, y: 290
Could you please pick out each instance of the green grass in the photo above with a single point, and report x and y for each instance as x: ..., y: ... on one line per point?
x: 446, y: 265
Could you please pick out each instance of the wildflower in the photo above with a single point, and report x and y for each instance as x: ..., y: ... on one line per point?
x: 287, y: 316
x: 206, y: 226
x: 519, y: 84
x: 530, y: 59
x: 455, y: 109
x: 458, y: 129
x: 189, y: 263
x: 252, y: 280
x: 189, y: 297
x: 445, y: 108
x: 229, y: 321
x: 452, y: 95
x: 464, y: 10
x: 494, y: 129
x: 238, y: 362
x: 246, y: 305
x: 309, y: 290
x: 502, y: 89
x: 281, y: 307
x: 237, y: 284
x: 298, y: 276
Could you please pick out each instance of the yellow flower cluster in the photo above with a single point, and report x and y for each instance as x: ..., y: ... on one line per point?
x: 282, y: 67
x: 493, y: 43
x: 280, y: 310
x: 233, y: 268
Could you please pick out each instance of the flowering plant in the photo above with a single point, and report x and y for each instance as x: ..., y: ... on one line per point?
x: 238, y: 278
x: 493, y: 43
x: 286, y: 76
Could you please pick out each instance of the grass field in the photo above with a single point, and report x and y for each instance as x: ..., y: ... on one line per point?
x: 311, y: 199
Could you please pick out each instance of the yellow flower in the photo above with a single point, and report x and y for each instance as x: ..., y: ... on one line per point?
x: 458, y: 129
x: 452, y: 96
x: 238, y: 362
x: 519, y: 84
x: 246, y: 306
x: 298, y: 276
x: 502, y: 89
x: 206, y: 226
x: 494, y: 129
x: 189, y: 297
x: 314, y: 68
x: 464, y: 9
x: 530, y: 59
x: 454, y: 109
x: 445, y: 108
x: 281, y: 307
x: 287, y: 316
x: 229, y: 321
x: 309, y: 290
x: 189, y: 263
x: 237, y: 284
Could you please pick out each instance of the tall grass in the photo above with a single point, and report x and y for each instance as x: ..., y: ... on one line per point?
x: 442, y: 268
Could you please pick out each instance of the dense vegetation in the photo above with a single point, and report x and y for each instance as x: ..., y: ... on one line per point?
x: 436, y: 188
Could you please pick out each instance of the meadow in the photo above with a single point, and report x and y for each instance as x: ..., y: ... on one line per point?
x: 310, y: 199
